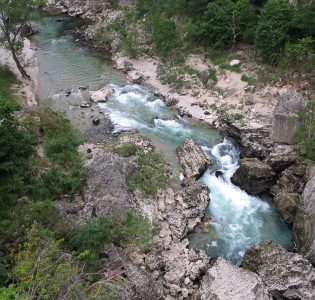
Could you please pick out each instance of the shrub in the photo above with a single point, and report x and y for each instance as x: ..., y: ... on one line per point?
x: 44, y: 271
x: 164, y: 36
x: 250, y: 80
x: 129, y: 227
x: 300, y: 52
x: 273, y: 29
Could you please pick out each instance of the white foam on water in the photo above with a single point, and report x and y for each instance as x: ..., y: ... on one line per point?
x: 234, y: 212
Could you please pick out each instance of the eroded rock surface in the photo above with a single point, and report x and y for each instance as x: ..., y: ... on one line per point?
x: 253, y: 176
x: 287, y: 275
x: 224, y: 281
x: 304, y: 224
x: 193, y: 160
x: 286, y: 119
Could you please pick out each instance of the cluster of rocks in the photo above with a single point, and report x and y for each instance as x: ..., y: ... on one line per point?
x: 271, y: 163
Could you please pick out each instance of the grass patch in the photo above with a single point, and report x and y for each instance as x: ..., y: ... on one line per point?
x: 225, y: 66
x: 250, y: 80
x: 150, y: 176
x: 212, y: 74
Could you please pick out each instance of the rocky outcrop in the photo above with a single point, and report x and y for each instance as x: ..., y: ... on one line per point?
x: 286, y: 118
x: 304, y: 224
x: 281, y: 157
x: 101, y: 95
x: 183, y: 210
x: 255, y: 141
x: 193, y: 160
x: 171, y: 263
x: 254, y: 176
x: 224, y: 281
x: 287, y: 192
x: 286, y: 275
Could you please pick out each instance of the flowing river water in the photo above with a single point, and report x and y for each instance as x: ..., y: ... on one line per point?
x: 238, y: 220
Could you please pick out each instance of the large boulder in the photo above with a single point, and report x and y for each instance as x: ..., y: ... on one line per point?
x: 254, y: 176
x: 224, y: 281
x: 287, y: 275
x: 193, y: 160
x: 286, y: 118
x: 101, y: 95
x: 304, y: 223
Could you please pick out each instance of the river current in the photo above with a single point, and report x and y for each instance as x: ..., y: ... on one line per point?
x: 238, y: 220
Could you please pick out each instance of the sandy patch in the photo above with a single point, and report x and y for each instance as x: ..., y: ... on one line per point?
x: 229, y: 91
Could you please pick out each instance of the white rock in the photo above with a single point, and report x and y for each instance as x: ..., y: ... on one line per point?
x: 101, y: 95
x: 235, y: 62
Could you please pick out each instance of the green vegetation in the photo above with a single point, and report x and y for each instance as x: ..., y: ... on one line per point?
x: 14, y: 16
x: 306, y: 134
x: 41, y: 255
x: 150, y: 176
x: 98, y: 232
x: 224, y: 23
x: 249, y: 79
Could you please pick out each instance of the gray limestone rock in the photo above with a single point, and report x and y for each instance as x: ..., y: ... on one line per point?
x: 224, y: 281
x: 286, y: 119
x: 254, y: 176
x: 193, y: 160
x: 286, y: 275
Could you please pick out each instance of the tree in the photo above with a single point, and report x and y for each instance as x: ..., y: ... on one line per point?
x: 14, y: 16
x: 273, y: 29
x: 225, y: 22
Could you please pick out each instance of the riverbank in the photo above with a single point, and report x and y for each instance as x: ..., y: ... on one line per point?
x: 27, y: 90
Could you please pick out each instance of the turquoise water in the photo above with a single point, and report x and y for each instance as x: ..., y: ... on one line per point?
x: 239, y: 221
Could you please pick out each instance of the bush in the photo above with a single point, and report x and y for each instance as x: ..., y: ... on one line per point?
x: 300, y: 53
x: 120, y: 229
x: 273, y: 29
x: 44, y: 271
x: 164, y: 36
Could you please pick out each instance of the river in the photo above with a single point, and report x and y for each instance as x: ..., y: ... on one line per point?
x: 238, y: 220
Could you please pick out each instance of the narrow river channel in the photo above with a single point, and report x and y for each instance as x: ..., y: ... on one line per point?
x: 238, y: 220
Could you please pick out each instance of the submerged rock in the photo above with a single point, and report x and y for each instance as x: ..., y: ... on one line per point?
x: 101, y: 95
x: 193, y: 160
x: 224, y: 281
x: 253, y: 176
x: 304, y: 223
x: 287, y: 275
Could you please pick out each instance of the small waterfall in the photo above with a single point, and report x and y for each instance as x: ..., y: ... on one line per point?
x: 238, y: 220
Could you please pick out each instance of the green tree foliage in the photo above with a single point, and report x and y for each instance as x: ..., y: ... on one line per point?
x: 273, y: 29
x: 43, y: 271
x: 129, y: 227
x: 14, y: 15
x: 224, y: 22
x: 164, y: 36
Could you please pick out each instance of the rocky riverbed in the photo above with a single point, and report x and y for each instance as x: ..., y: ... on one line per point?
x: 173, y: 271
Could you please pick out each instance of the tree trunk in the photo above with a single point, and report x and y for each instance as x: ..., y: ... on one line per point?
x: 18, y: 64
